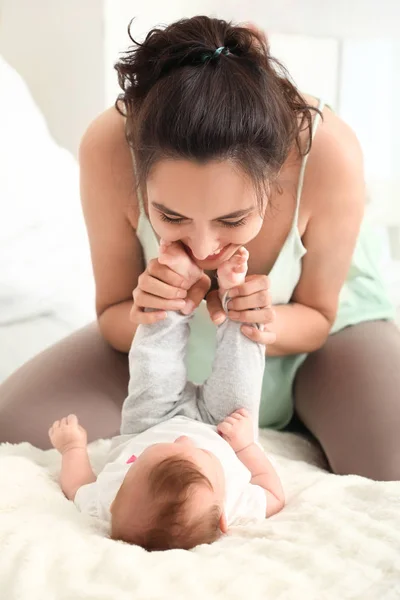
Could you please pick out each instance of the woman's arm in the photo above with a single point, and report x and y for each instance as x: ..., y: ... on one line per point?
x: 109, y: 204
x: 336, y: 210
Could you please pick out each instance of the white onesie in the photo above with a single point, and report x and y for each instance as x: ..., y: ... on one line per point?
x: 242, y: 500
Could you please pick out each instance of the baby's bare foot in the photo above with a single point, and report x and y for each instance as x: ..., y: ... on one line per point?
x: 173, y: 255
x: 233, y: 271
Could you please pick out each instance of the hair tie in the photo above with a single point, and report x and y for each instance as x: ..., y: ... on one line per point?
x: 221, y: 50
x: 214, y: 55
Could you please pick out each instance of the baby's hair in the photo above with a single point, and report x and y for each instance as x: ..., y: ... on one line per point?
x: 171, y: 484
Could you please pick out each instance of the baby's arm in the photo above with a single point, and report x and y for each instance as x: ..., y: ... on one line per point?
x: 70, y: 439
x: 238, y: 431
x: 264, y: 475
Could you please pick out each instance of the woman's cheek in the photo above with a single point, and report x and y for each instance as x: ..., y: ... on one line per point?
x: 244, y: 235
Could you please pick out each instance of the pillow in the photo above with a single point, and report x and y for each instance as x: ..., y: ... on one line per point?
x: 44, y: 254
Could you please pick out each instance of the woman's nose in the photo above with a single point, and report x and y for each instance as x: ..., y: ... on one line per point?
x: 203, y: 247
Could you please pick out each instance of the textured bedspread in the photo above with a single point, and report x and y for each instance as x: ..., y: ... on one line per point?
x: 337, y: 538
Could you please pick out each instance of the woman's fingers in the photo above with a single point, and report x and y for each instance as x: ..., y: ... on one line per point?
x: 140, y: 317
x: 159, y: 288
x: 253, y: 284
x: 196, y: 294
x: 264, y: 315
x: 214, y: 308
x: 260, y: 299
x: 145, y: 300
x: 158, y: 296
x: 262, y: 337
x: 165, y: 274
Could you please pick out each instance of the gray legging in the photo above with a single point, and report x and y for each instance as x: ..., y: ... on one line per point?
x: 347, y: 395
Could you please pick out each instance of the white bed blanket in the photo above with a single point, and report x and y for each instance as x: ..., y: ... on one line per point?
x: 337, y: 538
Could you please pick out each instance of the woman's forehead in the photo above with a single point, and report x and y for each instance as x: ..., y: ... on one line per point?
x: 215, y: 188
x: 182, y: 172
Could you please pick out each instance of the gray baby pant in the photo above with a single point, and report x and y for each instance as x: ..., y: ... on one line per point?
x: 158, y: 386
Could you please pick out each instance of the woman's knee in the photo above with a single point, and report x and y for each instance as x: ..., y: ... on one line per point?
x: 348, y: 396
x: 81, y: 374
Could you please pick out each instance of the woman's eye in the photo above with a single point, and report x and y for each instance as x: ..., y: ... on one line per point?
x: 169, y: 220
x: 234, y: 223
x: 178, y: 220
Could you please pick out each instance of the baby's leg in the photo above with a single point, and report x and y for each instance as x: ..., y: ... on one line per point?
x: 238, y: 367
x: 157, y: 361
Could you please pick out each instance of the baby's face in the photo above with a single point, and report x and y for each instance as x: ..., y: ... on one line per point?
x: 182, y: 447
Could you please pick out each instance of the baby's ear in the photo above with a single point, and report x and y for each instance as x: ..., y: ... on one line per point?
x: 223, y: 525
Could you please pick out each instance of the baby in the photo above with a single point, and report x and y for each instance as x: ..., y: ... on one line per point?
x: 187, y: 462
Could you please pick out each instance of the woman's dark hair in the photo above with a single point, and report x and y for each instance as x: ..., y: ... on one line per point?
x: 184, y: 100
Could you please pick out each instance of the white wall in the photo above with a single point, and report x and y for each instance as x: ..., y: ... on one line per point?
x: 65, y: 50
x: 368, y: 101
x: 118, y: 14
x: 57, y: 46
x: 331, y: 18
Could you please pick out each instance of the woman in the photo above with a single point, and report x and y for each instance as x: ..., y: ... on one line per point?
x: 212, y: 145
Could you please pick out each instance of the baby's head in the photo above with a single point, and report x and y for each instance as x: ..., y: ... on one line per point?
x: 171, y: 497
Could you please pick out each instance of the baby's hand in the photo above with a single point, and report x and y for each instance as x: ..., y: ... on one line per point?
x: 237, y: 430
x: 67, y: 434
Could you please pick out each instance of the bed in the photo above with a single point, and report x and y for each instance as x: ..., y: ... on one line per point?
x: 338, y: 537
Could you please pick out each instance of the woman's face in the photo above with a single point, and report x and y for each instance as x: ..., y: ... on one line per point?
x: 211, y: 208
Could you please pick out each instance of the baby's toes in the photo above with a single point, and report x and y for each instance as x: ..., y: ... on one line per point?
x: 224, y: 427
x: 243, y: 253
x: 243, y: 412
x: 174, y: 256
x: 239, y: 264
x: 224, y: 274
x: 236, y: 415
x: 167, y: 253
x: 72, y: 420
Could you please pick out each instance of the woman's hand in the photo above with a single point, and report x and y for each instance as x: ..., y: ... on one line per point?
x: 253, y: 293
x: 161, y: 289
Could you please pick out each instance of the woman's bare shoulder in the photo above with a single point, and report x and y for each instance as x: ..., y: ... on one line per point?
x: 332, y: 131
x: 335, y: 139
x: 106, y: 162
x: 335, y: 160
